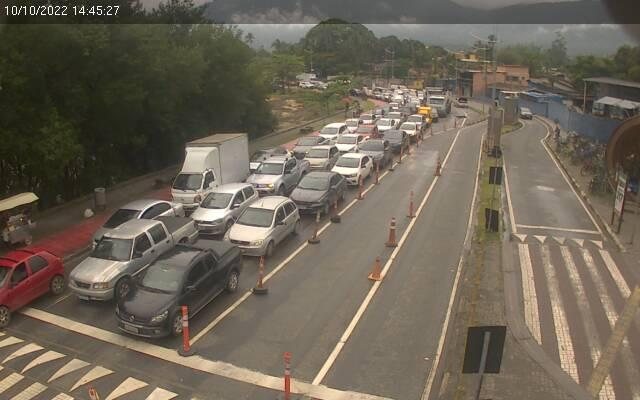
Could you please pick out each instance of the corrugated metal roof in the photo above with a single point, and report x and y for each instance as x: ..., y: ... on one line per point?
x: 17, y: 200
x: 613, y: 101
x: 614, y: 81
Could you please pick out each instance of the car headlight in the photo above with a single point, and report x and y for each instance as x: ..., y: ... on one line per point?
x: 160, y: 317
x: 270, y: 186
x: 256, y: 242
x: 101, y: 285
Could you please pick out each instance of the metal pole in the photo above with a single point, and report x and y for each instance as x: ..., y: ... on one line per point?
x: 483, y: 362
x: 584, y: 97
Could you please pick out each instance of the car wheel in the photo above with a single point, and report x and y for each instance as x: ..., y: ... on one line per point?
x: 232, y: 281
x: 56, y: 286
x: 5, y: 316
x: 228, y: 225
x: 269, y: 251
x: 122, y: 288
x: 176, y: 325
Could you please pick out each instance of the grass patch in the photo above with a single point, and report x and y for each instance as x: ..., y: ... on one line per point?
x: 488, y: 197
x: 511, y: 127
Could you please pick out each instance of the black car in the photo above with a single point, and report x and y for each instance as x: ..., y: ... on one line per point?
x: 397, y: 139
x: 190, y: 275
x: 378, y: 149
x: 318, y: 190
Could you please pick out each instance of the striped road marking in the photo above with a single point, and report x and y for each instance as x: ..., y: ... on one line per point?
x: 30, y: 392
x: 531, y: 314
x: 9, y: 381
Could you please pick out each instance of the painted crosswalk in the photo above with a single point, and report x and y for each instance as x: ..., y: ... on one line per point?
x: 573, y: 292
x: 30, y: 371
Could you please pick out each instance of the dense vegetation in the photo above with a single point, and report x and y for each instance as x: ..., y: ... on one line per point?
x: 90, y: 105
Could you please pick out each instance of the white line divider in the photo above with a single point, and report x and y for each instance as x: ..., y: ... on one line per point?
x: 512, y: 217
x: 374, y: 288
x: 282, y: 264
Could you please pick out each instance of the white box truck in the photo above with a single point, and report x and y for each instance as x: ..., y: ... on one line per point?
x: 210, y: 162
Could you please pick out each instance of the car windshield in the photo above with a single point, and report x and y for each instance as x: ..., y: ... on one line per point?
x: 384, y: 122
x: 113, y: 249
x: 120, y: 217
x: 366, y: 116
x: 259, y: 217
x: 269, y: 169
x: 161, y: 277
x: 372, y: 145
x: 347, y: 140
x: 318, y: 153
x: 352, y: 123
x: 258, y: 156
x: 188, y: 182
x: 4, y: 272
x: 216, y: 201
x: 307, y: 141
x: 314, y: 183
x: 414, y: 118
x: 329, y: 130
x: 348, y: 162
x: 408, y: 126
x: 436, y: 101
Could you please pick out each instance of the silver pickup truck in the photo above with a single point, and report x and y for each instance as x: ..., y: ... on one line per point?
x: 278, y: 175
x: 123, y: 252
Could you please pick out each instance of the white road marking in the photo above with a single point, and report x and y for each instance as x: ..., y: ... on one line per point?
x: 545, y: 188
x: 60, y: 299
x: 30, y: 392
x: 69, y: 367
x: 580, y: 242
x: 630, y: 367
x: 594, y: 342
x: 10, y: 341
x: 566, y: 179
x: 615, y: 274
x: 29, y: 348
x: 597, y: 243
x: 559, y: 239
x: 9, y: 381
x: 561, y: 325
x: 374, y: 288
x: 128, y: 386
x: 521, y: 237
x: 96, y: 372
x: 531, y: 314
x: 554, y: 228
x: 42, y: 359
x: 540, y: 238
x: 161, y: 394
x: 196, y: 362
x: 512, y: 217
x: 62, y: 396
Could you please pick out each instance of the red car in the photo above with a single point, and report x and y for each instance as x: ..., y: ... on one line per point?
x: 369, y: 131
x: 25, y: 275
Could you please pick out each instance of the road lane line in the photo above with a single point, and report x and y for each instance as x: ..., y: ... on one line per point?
x: 594, y: 341
x: 9, y: 381
x: 561, y: 325
x: 615, y: 274
x: 374, y: 288
x: 129, y: 385
x: 26, y: 349
x: 630, y: 367
x: 512, y: 217
x: 552, y: 228
x: 42, y: 359
x: 566, y: 179
x: 531, y: 314
x: 198, y: 363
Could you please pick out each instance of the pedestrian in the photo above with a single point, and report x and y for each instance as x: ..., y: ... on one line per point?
x: 557, y: 133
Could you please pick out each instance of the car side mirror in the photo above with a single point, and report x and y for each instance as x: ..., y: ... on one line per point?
x: 211, y: 185
x: 280, y: 223
x: 137, y: 254
x: 235, y: 206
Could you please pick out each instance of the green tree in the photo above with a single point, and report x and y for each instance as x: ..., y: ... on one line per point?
x: 557, y: 53
x: 285, y: 67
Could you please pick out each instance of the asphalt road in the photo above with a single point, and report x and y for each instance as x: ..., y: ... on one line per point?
x: 312, y: 299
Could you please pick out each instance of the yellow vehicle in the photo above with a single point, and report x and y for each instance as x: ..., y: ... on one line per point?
x: 426, y: 111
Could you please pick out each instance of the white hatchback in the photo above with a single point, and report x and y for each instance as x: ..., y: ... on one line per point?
x: 354, y: 167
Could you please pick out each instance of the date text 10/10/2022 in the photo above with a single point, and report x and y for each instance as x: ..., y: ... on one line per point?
x: 50, y: 10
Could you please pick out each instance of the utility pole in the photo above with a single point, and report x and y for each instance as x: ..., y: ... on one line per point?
x: 392, y: 52
x: 494, y: 59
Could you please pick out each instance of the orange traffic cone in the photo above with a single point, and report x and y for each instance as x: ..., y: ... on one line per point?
x: 335, y: 218
x: 377, y: 269
x: 411, y: 214
x: 392, y: 234
x: 377, y: 172
x: 400, y: 158
x: 260, y: 288
x: 314, y: 239
x: 438, y: 168
x: 360, y: 196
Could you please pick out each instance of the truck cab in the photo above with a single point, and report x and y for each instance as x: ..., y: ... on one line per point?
x: 190, y: 188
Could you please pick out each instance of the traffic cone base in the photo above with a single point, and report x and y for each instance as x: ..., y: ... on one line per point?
x: 260, y: 288
x: 313, y: 240
x: 186, y: 353
x: 391, y: 242
x: 377, y: 269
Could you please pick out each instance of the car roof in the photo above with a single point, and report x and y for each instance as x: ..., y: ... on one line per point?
x: 409, y: 122
x: 524, y: 108
x: 352, y: 119
x: 141, y: 204
x: 320, y: 174
x: 231, y: 187
x: 324, y: 146
x: 417, y: 115
x: 334, y: 125
x: 353, y: 155
x: 131, y: 228
x: 17, y: 256
x: 348, y: 135
x: 276, y: 160
x: 269, y: 202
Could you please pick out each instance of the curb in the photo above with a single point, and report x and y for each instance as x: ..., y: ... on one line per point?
x: 583, y: 195
x: 80, y: 253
